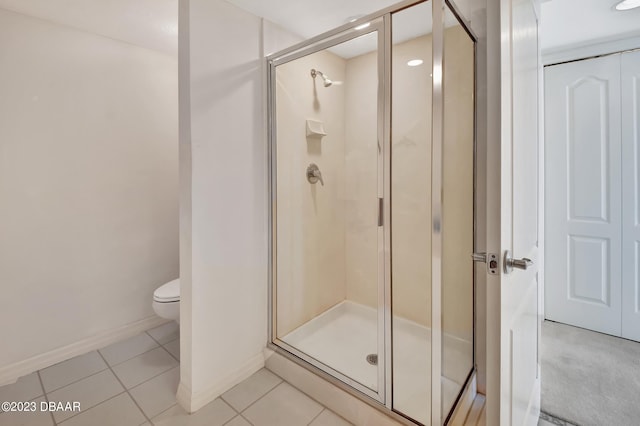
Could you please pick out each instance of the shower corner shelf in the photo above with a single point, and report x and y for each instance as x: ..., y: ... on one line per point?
x: 315, y: 129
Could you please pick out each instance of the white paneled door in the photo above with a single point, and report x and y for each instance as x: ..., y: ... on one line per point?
x: 591, y: 179
x: 630, y: 90
x: 582, y: 182
x: 513, y: 380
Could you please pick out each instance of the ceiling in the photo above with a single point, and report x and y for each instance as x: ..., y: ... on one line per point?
x: 308, y: 18
x: 148, y: 23
x: 154, y: 23
x: 574, y: 23
x: 564, y: 23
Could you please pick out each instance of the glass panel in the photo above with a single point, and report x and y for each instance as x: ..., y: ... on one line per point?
x: 411, y: 210
x: 457, y: 210
x: 327, y: 207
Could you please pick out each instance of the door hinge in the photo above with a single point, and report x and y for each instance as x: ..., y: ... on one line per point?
x: 380, y: 211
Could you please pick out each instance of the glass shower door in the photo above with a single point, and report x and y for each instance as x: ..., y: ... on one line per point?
x: 411, y: 164
x: 415, y: 164
x: 458, y: 210
x: 327, y: 183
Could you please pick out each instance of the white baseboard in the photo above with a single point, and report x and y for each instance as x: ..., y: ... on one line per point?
x: 192, y: 402
x: 12, y: 372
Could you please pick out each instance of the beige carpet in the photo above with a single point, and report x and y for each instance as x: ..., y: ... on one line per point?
x: 589, y: 378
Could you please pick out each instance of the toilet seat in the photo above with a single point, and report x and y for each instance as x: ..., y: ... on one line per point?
x: 168, y: 293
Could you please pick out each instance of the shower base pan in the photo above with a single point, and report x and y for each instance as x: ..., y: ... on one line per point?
x: 344, y: 336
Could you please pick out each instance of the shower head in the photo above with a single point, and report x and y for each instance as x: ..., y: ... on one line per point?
x: 327, y: 80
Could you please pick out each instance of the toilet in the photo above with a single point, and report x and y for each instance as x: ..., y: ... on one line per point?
x: 166, y: 300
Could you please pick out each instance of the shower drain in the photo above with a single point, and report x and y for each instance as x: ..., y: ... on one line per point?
x: 372, y: 359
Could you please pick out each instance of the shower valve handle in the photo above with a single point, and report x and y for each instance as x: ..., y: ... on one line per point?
x: 314, y: 174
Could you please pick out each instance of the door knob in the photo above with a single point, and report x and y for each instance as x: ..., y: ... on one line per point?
x: 510, y: 263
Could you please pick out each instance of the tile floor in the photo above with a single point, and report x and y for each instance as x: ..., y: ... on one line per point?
x: 134, y: 382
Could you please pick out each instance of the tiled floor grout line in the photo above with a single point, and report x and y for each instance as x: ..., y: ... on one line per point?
x: 162, y: 346
x: 317, y: 415
x: 117, y: 378
x: 169, y: 352
x: 171, y: 341
x: 108, y: 367
x: 127, y: 390
x: 227, y: 402
x: 150, y: 378
x: 231, y: 419
x: 324, y: 407
x: 238, y: 413
x: 339, y: 415
x: 149, y: 334
x: 157, y: 341
x: 250, y: 405
x: 75, y: 381
x: 174, y: 357
x: 164, y: 411
x: 46, y: 397
x: 93, y: 406
x: 245, y: 419
x: 128, y: 359
x: 153, y: 377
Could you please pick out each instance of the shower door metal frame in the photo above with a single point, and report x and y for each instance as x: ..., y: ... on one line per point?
x: 453, y: 9
x: 383, y: 398
x: 309, y: 47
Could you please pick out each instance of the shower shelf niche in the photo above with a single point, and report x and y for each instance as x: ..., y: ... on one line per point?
x: 315, y: 129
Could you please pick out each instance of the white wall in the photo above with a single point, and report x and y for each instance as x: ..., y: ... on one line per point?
x: 223, y: 209
x: 592, y: 22
x: 599, y: 30
x: 88, y: 186
x: 147, y: 23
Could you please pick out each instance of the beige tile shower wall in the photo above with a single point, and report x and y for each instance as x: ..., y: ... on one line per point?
x: 310, y: 218
x: 361, y: 207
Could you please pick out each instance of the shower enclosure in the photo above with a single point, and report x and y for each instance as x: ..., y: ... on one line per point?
x: 372, y: 141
